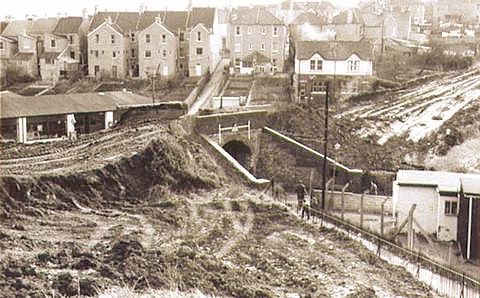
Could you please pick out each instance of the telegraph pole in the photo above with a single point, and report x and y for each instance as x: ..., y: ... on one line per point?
x: 324, y: 178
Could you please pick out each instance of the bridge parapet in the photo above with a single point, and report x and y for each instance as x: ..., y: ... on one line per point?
x: 208, y: 124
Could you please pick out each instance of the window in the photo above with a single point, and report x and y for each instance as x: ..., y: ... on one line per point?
x: 147, y: 38
x: 316, y: 64
x: 249, y: 30
x: 72, y: 54
x: 164, y: 38
x: 112, y: 37
x: 97, y: 38
x: 182, y: 36
x: 164, y: 53
x: 237, y: 47
x: 181, y: 52
x: 237, y: 62
x: 318, y: 86
x: 1, y: 45
x: 133, y: 53
x: 250, y: 46
x: 114, y: 54
x: 96, y: 54
x: 262, y: 47
x: 264, y: 31
x: 49, y: 61
x: 275, y: 31
x: 132, y: 36
x: 353, y: 65
x: 450, y: 208
x: 199, y: 36
x: 237, y: 30
x: 70, y: 39
x: 274, y: 47
x: 274, y: 65
x: 199, y: 51
x: 52, y: 43
x: 148, y: 54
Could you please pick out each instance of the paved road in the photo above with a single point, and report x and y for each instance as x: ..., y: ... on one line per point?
x: 211, y: 88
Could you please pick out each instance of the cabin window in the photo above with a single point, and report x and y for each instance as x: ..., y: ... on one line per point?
x: 450, y: 208
x: 275, y: 31
x: 199, y: 36
x: 353, y: 65
x: 164, y: 38
x: 316, y: 65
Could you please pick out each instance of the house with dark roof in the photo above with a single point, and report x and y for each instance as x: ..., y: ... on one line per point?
x: 257, y: 30
x: 64, y: 49
x: 311, y: 26
x: 112, y: 45
x: 204, y: 40
x: 320, y: 62
x: 443, y: 201
x: 161, y: 35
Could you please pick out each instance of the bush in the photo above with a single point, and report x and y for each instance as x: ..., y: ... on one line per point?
x: 13, y: 76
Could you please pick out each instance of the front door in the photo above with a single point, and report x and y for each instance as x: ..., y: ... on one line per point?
x: 97, y: 71
x: 198, y: 70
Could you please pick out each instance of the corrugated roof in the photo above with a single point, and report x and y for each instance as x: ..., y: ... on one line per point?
x: 349, y: 16
x: 68, y: 25
x: 203, y: 15
x: 173, y: 20
x: 42, y: 26
x: 334, y: 50
x: 257, y: 16
x: 310, y: 18
x: 13, y: 105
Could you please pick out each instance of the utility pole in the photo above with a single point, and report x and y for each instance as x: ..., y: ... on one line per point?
x: 153, y: 88
x: 324, y: 178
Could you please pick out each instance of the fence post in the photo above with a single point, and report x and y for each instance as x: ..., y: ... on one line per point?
x: 219, y: 134
x: 361, y: 210
x: 249, y: 134
x: 343, y: 198
x: 382, y: 216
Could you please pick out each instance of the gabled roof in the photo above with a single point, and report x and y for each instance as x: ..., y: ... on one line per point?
x: 256, y: 57
x: 123, y: 22
x: 349, y: 16
x: 311, y: 18
x: 334, y: 50
x: 68, y: 25
x: 202, y: 15
x: 13, y: 105
x: 172, y: 20
x: 17, y: 27
x: 257, y: 16
x: 42, y: 26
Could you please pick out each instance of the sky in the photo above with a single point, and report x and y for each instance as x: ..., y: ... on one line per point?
x: 52, y: 8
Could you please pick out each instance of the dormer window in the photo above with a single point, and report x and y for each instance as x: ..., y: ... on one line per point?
x: 112, y: 37
x: 164, y: 38
x: 1, y: 45
x: 97, y: 38
x: 182, y: 36
x: 316, y: 65
x: 53, y: 43
x: 147, y: 38
x: 353, y: 65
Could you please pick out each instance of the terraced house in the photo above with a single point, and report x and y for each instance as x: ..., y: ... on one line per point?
x: 259, y: 41
x: 112, y: 45
x: 161, y: 36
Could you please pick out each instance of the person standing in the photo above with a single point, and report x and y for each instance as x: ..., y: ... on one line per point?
x: 301, y: 191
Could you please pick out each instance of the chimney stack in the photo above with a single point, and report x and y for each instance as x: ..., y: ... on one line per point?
x: 109, y: 20
x: 85, y: 14
x: 142, y: 8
